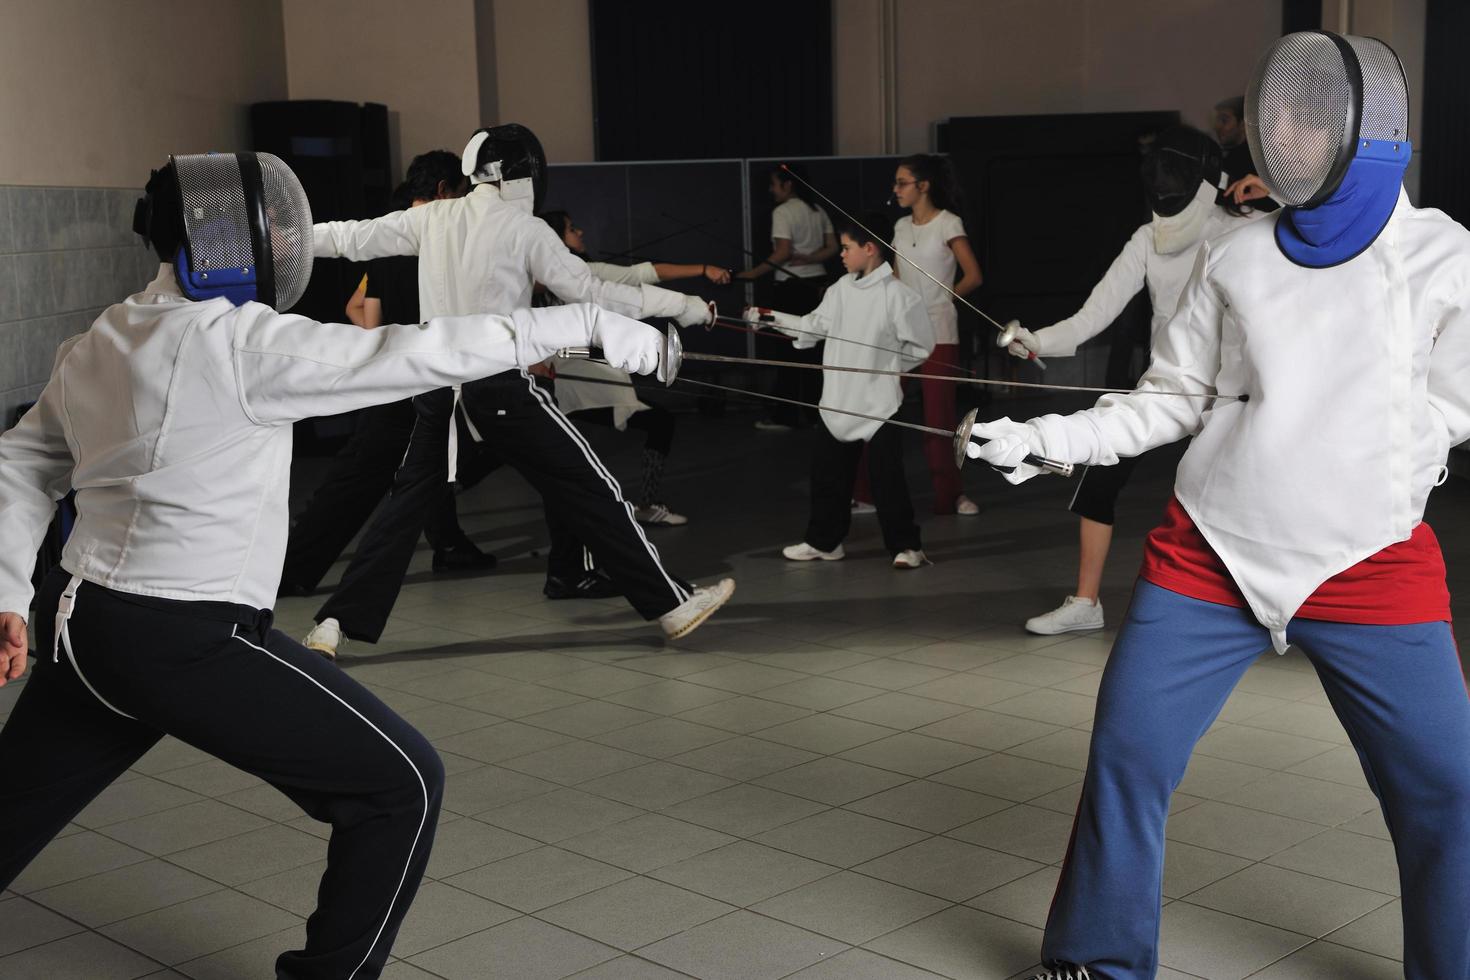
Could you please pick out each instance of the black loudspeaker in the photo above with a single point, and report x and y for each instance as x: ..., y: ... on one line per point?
x: 340, y: 152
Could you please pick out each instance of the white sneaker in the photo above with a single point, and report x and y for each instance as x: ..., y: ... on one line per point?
x: 696, y: 609
x: 912, y: 558
x: 863, y: 507
x: 325, y: 637
x: 966, y: 507
x: 659, y: 515
x: 1072, y: 615
x: 1063, y: 971
x: 805, y: 552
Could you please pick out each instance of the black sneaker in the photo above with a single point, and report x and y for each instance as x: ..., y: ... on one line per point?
x: 593, y: 585
x: 463, y: 557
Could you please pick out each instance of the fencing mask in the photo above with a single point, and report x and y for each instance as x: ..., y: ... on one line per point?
x: 1327, y: 117
x: 1181, y: 169
x: 512, y: 155
x: 1174, y: 164
x: 245, y: 226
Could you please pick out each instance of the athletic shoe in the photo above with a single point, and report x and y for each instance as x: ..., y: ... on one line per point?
x: 912, y: 558
x: 767, y: 425
x: 463, y: 557
x: 659, y: 515
x: 696, y: 609
x: 1063, y: 971
x: 593, y: 585
x: 863, y: 507
x: 966, y: 507
x: 325, y: 637
x: 805, y: 552
x: 1072, y: 615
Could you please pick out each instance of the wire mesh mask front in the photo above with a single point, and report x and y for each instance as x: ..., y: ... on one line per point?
x: 219, y: 228
x: 1309, y: 104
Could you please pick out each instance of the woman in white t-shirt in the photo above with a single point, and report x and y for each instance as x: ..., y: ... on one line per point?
x: 933, y: 237
x: 802, y: 240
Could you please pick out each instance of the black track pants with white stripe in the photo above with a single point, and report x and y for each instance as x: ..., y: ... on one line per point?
x: 522, y: 426
x: 216, y: 676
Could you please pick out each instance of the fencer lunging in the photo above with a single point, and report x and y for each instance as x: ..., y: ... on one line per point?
x: 171, y: 419
x: 484, y: 252
x: 1297, y: 514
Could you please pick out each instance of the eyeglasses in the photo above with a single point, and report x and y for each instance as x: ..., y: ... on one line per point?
x: 904, y: 183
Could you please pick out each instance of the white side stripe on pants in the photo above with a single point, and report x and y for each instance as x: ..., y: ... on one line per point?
x: 550, y: 408
x: 420, y: 776
x: 61, y: 640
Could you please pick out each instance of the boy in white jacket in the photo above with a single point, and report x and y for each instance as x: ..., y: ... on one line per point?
x: 1336, y: 333
x: 869, y: 320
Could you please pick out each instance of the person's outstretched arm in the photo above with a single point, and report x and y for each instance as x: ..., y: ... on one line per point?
x: 1186, y: 359
x: 290, y: 368
x: 398, y: 233
x: 1124, y: 278
x: 571, y: 280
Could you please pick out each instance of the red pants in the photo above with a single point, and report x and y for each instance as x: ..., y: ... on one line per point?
x: 939, y: 412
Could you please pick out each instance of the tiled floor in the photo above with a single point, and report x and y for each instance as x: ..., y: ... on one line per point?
x: 851, y: 773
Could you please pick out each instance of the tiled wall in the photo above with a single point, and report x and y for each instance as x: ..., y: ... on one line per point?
x: 65, y: 253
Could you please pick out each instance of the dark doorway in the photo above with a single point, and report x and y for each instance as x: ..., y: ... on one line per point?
x: 677, y: 80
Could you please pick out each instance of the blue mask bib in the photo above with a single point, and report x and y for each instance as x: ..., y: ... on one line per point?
x: 1344, y: 225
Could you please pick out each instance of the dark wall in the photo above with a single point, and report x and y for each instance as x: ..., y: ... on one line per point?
x: 678, y: 80
x: 1301, y: 15
x: 1446, y: 137
x: 339, y: 150
x: 1050, y: 202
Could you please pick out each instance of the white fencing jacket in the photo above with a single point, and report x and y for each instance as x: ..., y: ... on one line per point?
x: 481, y: 254
x: 172, y: 421
x: 857, y: 316
x: 1139, y: 264
x: 1359, y: 384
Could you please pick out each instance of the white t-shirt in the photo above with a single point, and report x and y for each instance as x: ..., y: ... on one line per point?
x: 927, y: 246
x: 807, y: 229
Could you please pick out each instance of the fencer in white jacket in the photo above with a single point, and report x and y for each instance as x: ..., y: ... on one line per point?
x: 1181, y: 177
x: 484, y: 253
x: 1354, y: 389
x: 1319, y: 356
x: 171, y: 420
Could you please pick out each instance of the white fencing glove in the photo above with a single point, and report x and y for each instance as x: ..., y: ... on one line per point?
x: 1006, y: 445
x: 788, y: 323
x: 1019, y: 342
x: 697, y: 313
x: 629, y: 344
x: 773, y: 318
